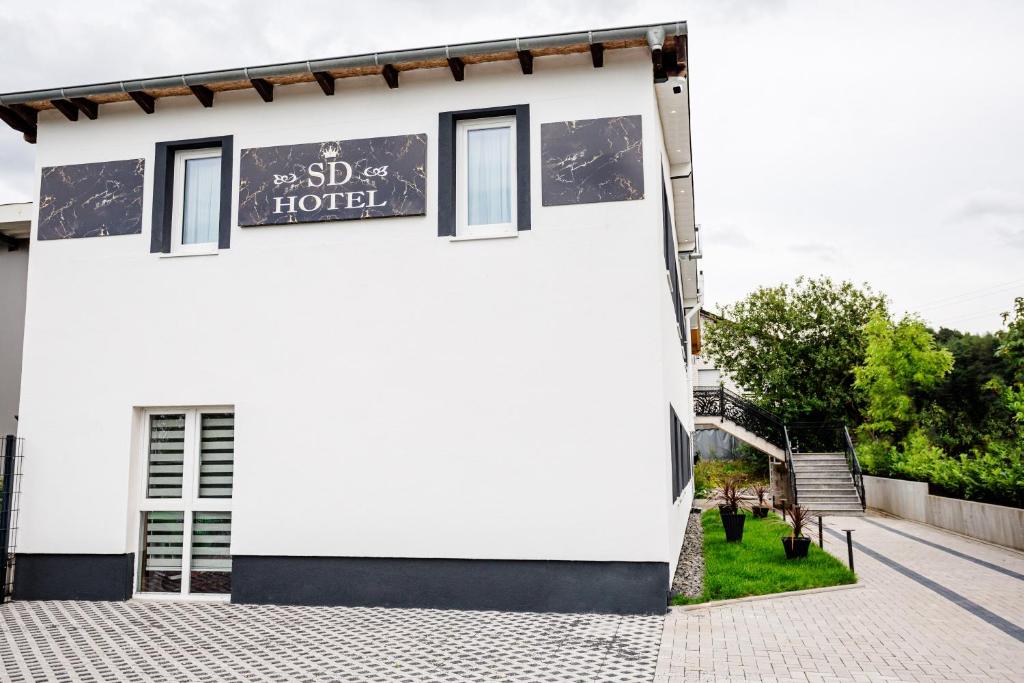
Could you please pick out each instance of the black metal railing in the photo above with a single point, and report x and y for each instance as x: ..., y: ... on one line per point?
x: 817, y: 437
x: 827, y: 437
x: 854, y: 464
x: 10, y: 489
x: 728, y: 405
x: 789, y: 468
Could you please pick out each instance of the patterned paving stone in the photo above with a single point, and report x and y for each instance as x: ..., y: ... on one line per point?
x: 891, y: 628
x: 151, y: 641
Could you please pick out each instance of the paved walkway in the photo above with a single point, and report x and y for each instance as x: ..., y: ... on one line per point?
x: 931, y: 606
x: 148, y: 641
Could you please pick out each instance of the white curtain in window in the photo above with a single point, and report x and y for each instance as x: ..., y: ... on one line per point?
x: 201, y: 207
x: 489, y: 182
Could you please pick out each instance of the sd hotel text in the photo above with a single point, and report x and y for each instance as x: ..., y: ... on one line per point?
x: 331, y: 201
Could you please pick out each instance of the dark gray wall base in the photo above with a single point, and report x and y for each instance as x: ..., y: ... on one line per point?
x: 508, y: 585
x: 73, y: 577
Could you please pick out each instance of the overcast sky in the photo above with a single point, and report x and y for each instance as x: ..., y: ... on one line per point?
x: 879, y: 140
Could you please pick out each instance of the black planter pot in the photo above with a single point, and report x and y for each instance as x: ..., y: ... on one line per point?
x: 760, y: 511
x: 724, y: 509
x: 795, y: 547
x: 733, y: 524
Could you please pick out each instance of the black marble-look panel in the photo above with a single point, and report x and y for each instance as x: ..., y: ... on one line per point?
x: 333, y: 181
x: 91, y: 200
x: 592, y: 160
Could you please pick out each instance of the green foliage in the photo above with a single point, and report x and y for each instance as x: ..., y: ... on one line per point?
x: 754, y: 462
x: 914, y: 422
x: 901, y: 360
x: 1011, y: 341
x: 709, y: 474
x: 758, y: 565
x: 794, y: 347
x: 966, y: 411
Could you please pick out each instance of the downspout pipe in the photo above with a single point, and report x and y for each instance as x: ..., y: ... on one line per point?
x: 654, y: 34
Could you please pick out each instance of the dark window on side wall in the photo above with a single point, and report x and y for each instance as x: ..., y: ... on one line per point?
x: 192, y: 195
x: 672, y: 265
x: 461, y: 144
x: 681, y: 454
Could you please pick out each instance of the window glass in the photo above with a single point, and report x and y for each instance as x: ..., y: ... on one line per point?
x: 161, y: 560
x: 166, y: 456
x: 216, y: 454
x: 489, y: 175
x: 201, y: 205
x: 185, y: 512
x: 211, y: 553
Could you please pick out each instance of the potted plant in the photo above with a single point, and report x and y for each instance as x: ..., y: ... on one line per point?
x: 796, y: 544
x: 728, y: 495
x: 760, y: 490
x: 729, y: 509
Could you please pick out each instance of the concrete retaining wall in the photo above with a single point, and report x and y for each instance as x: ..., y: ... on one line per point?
x: 911, y: 500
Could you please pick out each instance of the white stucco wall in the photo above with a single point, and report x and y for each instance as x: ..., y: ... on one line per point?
x: 396, y: 394
x: 13, y: 273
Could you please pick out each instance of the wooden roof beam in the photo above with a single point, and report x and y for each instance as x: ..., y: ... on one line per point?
x: 458, y: 68
x: 264, y: 87
x: 526, y: 61
x: 87, y: 107
x: 390, y: 74
x: 325, y: 80
x: 146, y: 102
x: 69, y: 110
x: 203, y: 94
x: 13, y: 119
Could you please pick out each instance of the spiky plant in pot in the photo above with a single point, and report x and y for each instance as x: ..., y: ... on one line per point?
x: 732, y: 518
x: 760, y: 489
x: 796, y: 544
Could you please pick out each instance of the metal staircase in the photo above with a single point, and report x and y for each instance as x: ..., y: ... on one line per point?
x: 819, y: 460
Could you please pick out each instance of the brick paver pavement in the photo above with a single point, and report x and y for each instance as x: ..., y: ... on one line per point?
x: 965, y: 626
x: 151, y: 641
x: 891, y: 627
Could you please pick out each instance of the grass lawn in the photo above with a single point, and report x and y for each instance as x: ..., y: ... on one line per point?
x: 758, y: 564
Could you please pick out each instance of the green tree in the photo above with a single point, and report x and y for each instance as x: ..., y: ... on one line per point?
x: 794, y: 347
x: 902, y: 361
x: 964, y: 412
x: 1011, y: 351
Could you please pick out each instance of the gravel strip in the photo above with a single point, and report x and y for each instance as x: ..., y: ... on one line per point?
x: 689, y: 578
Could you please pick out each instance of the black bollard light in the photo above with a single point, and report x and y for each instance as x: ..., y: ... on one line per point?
x: 821, y: 541
x: 849, y: 546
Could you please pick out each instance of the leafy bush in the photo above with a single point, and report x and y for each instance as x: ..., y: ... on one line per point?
x: 709, y: 474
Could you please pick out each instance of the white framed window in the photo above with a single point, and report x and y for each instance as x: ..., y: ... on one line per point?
x: 485, y: 177
x: 195, y: 214
x: 187, y: 465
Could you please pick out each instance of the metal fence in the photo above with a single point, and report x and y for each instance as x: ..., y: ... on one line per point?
x: 10, y: 490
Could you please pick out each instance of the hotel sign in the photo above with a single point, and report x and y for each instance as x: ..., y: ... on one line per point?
x: 333, y: 181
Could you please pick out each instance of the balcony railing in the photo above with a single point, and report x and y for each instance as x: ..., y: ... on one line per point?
x: 728, y: 405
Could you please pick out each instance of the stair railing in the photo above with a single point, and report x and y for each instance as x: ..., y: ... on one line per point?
x: 789, y: 467
x: 728, y: 405
x: 854, y: 465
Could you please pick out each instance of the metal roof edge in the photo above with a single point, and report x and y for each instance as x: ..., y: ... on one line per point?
x: 553, y: 40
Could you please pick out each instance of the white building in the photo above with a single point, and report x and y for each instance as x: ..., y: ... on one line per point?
x: 400, y: 329
x: 15, y: 225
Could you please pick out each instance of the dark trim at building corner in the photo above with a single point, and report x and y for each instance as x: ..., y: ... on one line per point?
x: 506, y: 585
x: 446, y: 163
x: 163, y: 189
x: 39, y: 576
